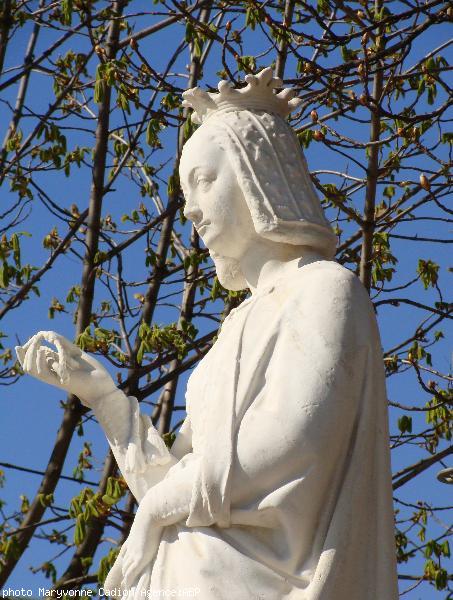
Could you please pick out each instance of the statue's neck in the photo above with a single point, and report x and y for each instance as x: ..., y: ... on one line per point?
x: 266, y: 262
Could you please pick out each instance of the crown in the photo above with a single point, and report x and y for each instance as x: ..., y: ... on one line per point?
x: 258, y: 94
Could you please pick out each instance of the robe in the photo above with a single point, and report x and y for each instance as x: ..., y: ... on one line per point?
x: 279, y: 486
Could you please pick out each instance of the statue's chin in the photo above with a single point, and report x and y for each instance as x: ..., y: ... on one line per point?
x: 229, y: 273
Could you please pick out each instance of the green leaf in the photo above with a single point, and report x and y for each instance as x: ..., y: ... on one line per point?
x: 323, y: 6
x: 100, y: 84
x: 429, y: 272
x: 99, y: 91
x: 66, y: 11
x: 109, y: 500
x: 80, y: 530
x: 441, y: 579
x: 389, y: 191
x: 106, y: 564
x: 4, y: 275
x: 246, y: 63
x: 196, y: 48
x: 405, y: 424
x: 190, y: 32
x: 421, y: 85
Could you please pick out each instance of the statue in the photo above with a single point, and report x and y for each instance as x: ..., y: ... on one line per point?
x: 278, y: 484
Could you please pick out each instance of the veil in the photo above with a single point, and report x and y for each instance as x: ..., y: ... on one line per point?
x: 273, y: 175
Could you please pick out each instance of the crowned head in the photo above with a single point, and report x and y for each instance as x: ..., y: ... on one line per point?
x: 244, y: 175
x: 259, y: 95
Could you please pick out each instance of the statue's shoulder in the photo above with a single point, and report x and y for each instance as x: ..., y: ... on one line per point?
x: 326, y: 285
x: 323, y: 275
x: 329, y: 299
x: 329, y: 268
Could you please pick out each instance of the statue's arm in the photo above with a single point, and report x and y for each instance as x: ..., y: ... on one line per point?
x: 166, y: 503
x: 113, y: 414
x: 141, y: 454
x: 183, y: 442
x: 138, y: 448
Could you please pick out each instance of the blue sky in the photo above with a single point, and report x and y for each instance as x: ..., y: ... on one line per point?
x: 30, y: 410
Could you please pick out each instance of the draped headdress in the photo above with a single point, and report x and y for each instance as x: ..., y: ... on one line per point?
x: 271, y: 168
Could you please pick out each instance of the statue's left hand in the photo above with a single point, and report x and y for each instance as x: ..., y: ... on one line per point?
x: 139, y: 550
x: 69, y: 368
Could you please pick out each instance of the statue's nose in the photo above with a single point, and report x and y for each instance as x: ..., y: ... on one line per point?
x: 192, y: 211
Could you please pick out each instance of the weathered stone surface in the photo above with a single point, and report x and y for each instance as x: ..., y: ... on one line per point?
x: 278, y: 485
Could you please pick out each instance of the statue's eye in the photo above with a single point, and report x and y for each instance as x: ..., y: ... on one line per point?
x: 204, y: 181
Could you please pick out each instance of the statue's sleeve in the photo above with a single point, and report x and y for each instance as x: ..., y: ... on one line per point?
x: 168, y: 501
x: 141, y: 453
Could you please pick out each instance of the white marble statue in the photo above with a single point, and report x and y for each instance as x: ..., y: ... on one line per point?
x: 278, y: 484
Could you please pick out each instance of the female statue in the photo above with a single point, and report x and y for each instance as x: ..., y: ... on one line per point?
x: 278, y: 484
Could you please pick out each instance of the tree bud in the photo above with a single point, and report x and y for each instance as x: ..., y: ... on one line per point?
x: 363, y: 100
x: 424, y: 182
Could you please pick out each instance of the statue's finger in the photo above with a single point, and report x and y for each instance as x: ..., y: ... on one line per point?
x: 62, y: 362
x: 50, y: 364
x: 59, y: 340
x: 72, y: 363
x: 27, y: 355
x: 27, y: 345
x: 70, y: 348
x: 31, y: 356
x: 41, y: 363
x: 70, y: 356
x: 64, y: 355
x: 25, y: 362
x: 89, y: 362
x: 126, y: 561
x: 50, y: 354
x: 115, y: 576
x: 48, y: 336
x: 123, y: 550
x: 128, y: 573
x: 42, y: 366
x: 20, y: 353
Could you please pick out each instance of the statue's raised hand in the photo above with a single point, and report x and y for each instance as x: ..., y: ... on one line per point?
x: 67, y: 367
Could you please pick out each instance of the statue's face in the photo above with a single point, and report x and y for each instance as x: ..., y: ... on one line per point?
x: 214, y: 201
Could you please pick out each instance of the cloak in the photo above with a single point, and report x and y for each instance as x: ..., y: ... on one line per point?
x: 279, y: 486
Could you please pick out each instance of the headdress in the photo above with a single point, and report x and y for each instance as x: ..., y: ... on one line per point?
x: 258, y: 94
x: 250, y: 125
